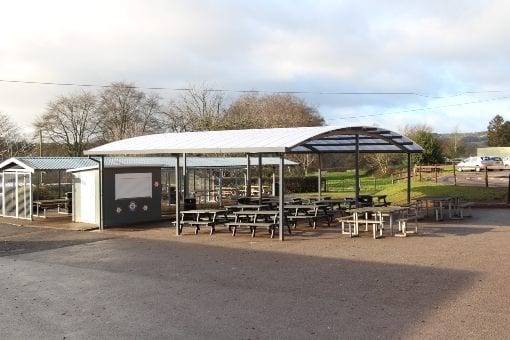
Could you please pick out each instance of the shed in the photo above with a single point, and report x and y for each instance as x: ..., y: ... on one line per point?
x: 126, y: 195
x: 18, y: 181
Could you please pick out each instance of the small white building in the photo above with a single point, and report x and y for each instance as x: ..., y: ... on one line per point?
x: 493, y: 151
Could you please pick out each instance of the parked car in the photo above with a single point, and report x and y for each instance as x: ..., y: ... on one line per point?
x: 497, y: 160
x: 475, y: 163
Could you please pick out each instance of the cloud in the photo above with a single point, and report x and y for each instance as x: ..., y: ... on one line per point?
x: 430, y: 48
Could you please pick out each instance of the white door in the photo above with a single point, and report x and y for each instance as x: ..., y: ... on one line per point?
x: 86, y: 197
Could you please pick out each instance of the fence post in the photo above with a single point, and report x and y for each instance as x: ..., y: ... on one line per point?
x: 486, y: 177
x: 454, y: 176
x: 508, y: 194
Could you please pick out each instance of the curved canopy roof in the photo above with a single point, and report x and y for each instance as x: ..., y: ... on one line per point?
x: 318, y: 139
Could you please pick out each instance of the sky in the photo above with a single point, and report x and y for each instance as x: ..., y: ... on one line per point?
x: 444, y: 64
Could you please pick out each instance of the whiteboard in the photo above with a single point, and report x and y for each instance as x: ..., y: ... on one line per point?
x: 133, y: 185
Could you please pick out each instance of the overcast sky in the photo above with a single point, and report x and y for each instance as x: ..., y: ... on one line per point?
x: 444, y: 63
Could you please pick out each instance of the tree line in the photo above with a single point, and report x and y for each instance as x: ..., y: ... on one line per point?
x: 76, y: 122
x: 79, y: 121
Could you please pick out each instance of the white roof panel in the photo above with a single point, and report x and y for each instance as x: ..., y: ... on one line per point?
x: 276, y: 140
x: 226, y: 141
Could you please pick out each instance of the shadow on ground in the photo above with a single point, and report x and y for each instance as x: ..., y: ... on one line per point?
x: 139, y: 288
x: 20, y: 240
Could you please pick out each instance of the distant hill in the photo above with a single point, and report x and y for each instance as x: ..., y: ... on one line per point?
x: 472, y: 140
x: 479, y: 138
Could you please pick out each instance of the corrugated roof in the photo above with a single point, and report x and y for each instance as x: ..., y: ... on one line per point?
x: 67, y: 163
x: 191, y: 162
x: 231, y: 162
x: 318, y: 139
x: 47, y: 163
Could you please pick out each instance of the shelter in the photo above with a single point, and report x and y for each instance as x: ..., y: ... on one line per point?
x: 279, y: 141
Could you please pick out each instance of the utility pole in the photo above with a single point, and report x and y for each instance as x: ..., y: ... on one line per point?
x: 40, y: 142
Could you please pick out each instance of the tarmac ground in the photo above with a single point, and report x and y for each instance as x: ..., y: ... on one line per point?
x: 451, y: 281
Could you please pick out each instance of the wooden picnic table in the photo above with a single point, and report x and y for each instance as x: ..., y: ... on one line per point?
x: 200, y: 217
x: 44, y: 205
x: 256, y: 218
x: 240, y: 207
x: 439, y: 203
x: 379, y: 212
x: 310, y: 212
x: 341, y: 203
x: 369, y: 200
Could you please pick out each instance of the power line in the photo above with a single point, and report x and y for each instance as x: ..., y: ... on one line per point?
x: 423, y: 108
x: 32, y: 82
x: 298, y: 92
x: 366, y: 93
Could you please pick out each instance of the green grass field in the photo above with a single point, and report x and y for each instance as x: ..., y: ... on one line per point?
x: 341, y: 184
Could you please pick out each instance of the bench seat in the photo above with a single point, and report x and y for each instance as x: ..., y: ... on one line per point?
x: 465, y: 209
x: 312, y: 219
x: 252, y: 225
x: 403, y: 224
x: 197, y: 225
x: 352, y: 223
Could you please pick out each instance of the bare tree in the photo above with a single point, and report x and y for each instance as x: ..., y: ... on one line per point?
x: 411, y: 130
x: 124, y: 111
x: 201, y: 108
x: 453, y: 145
x: 382, y: 163
x: 270, y: 111
x: 12, y: 142
x: 197, y: 109
x: 385, y: 163
x: 70, y: 121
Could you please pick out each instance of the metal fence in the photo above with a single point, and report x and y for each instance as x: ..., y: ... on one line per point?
x: 367, y: 184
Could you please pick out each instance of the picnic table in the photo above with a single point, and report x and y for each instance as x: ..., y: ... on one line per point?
x: 309, y: 212
x: 439, y: 204
x: 271, y: 202
x: 200, y: 217
x: 373, y: 216
x: 44, y: 205
x: 342, y: 204
x: 318, y: 198
x: 369, y: 200
x: 363, y: 215
x: 255, y: 218
x: 241, y: 207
